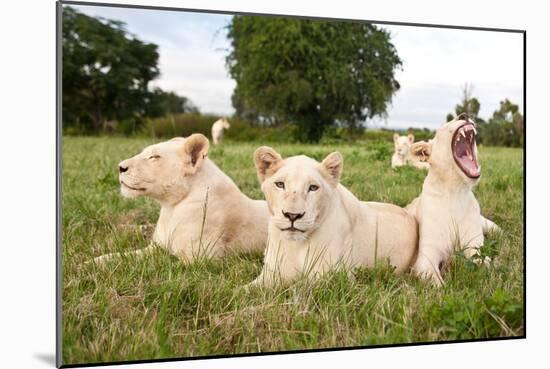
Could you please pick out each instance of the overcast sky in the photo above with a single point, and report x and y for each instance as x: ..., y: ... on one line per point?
x: 436, y: 64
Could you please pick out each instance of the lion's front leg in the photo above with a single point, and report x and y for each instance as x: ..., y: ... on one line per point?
x: 472, y: 251
x: 427, y: 267
x: 103, y: 259
x: 190, y: 245
x: 264, y: 280
x: 489, y: 226
x: 273, y: 274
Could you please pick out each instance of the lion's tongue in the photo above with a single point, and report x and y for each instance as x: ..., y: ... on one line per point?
x: 464, y: 153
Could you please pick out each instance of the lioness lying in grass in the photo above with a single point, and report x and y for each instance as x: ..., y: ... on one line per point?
x: 203, y: 213
x: 316, y: 224
x: 401, y: 156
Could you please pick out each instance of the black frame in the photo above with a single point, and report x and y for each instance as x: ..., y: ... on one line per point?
x: 59, y: 142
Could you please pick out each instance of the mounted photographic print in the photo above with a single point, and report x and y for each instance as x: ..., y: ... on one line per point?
x: 241, y: 184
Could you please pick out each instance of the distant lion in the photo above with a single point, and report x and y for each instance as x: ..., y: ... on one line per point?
x: 203, y: 213
x: 316, y: 224
x: 401, y: 155
x: 218, y: 130
x: 447, y: 211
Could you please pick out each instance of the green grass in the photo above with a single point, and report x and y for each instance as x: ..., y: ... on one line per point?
x: 158, y: 307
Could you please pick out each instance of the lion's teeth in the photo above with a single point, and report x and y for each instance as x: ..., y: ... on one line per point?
x: 462, y: 133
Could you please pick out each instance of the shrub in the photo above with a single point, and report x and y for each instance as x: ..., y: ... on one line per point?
x: 185, y: 124
x: 500, y: 134
x: 242, y: 131
x: 387, y: 134
x: 378, y: 135
x: 380, y: 149
x: 421, y: 134
x: 174, y: 125
x: 128, y: 127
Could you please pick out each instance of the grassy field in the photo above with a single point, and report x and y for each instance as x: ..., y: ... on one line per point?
x: 158, y: 307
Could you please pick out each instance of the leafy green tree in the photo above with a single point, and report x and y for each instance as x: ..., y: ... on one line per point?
x: 161, y: 103
x: 312, y: 73
x: 242, y: 109
x: 505, y: 127
x: 106, y: 71
x: 469, y: 105
x: 509, y: 112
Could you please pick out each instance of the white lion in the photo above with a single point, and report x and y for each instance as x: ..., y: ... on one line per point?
x: 447, y: 211
x: 218, y: 129
x: 203, y: 213
x: 316, y: 224
x: 401, y: 156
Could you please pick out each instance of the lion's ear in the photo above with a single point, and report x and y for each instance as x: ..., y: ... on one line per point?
x: 267, y: 162
x: 421, y: 151
x: 395, y: 137
x: 410, y: 136
x: 332, y: 166
x: 463, y: 116
x: 193, y: 152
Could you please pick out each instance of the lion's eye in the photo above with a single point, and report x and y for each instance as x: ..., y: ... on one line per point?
x: 313, y: 188
x: 280, y: 184
x: 154, y: 157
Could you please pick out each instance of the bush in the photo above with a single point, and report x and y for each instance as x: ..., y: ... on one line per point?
x: 387, y: 134
x: 242, y: 131
x: 185, y: 124
x: 128, y: 127
x: 380, y: 149
x: 379, y: 135
x: 421, y: 134
x: 500, y: 134
x: 175, y: 125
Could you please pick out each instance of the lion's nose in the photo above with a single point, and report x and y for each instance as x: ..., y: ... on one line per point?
x: 123, y: 166
x: 293, y: 216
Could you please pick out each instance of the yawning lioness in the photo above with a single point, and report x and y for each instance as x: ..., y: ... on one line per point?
x: 447, y: 211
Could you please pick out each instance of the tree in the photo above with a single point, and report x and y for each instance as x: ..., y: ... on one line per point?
x: 469, y: 105
x: 242, y: 109
x: 505, y: 127
x: 106, y: 71
x: 312, y: 73
x: 161, y: 103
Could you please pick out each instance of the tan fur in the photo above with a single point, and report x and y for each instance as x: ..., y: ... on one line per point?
x: 447, y: 211
x: 218, y: 130
x: 335, y: 229
x: 203, y: 213
x: 402, y: 154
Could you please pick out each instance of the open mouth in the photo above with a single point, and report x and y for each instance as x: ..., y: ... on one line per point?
x: 292, y: 229
x: 132, y: 188
x: 464, y: 150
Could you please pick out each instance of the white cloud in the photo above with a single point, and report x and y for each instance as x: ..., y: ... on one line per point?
x: 198, y: 74
x: 436, y: 64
